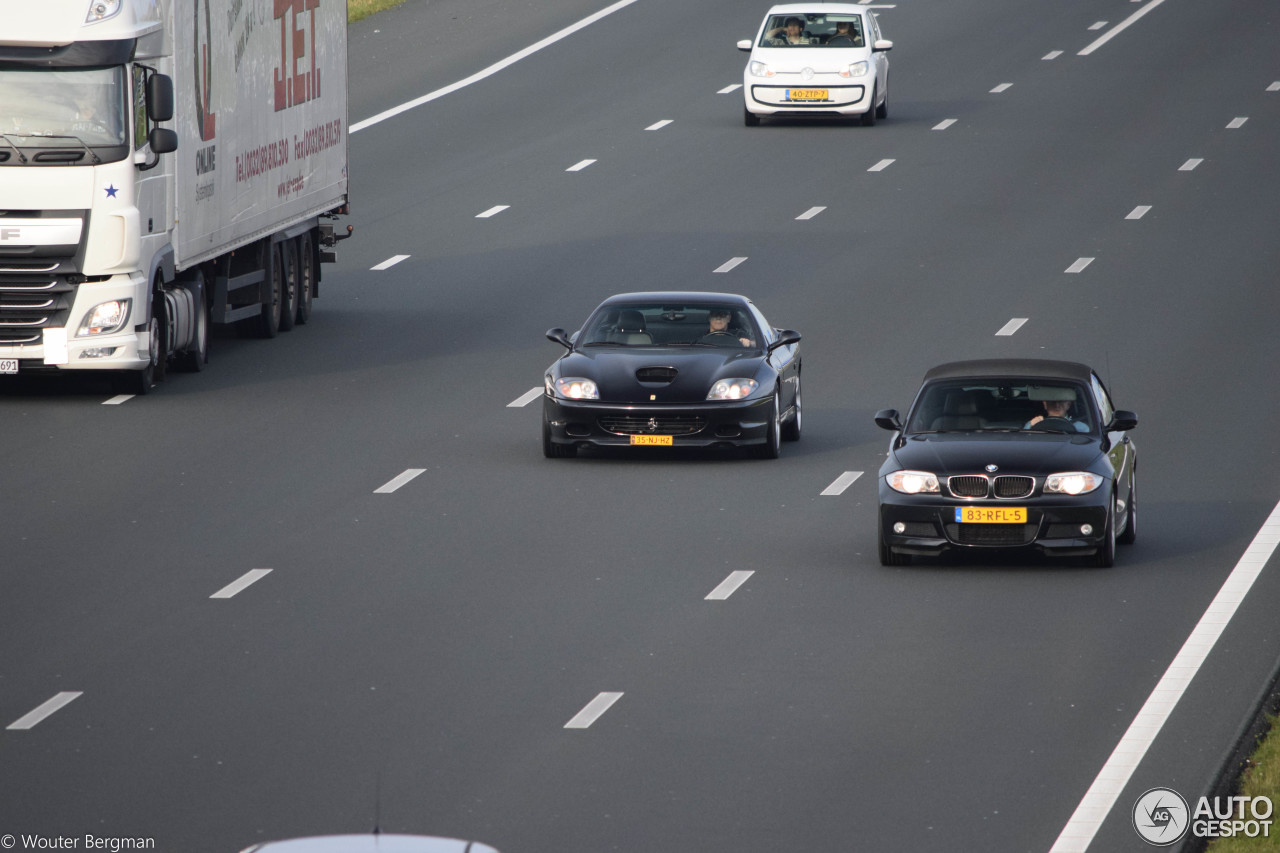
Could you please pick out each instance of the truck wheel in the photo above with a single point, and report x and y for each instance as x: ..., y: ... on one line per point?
x: 306, y: 278
x: 196, y: 356
x: 140, y: 382
x: 288, y: 285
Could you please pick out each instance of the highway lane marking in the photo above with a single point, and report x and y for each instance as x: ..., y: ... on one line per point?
x: 29, y: 720
x: 526, y: 398
x: 728, y: 586
x: 1139, y: 211
x: 389, y: 262
x: 1129, y: 752
x: 242, y: 583
x: 839, y: 484
x: 1119, y: 28
x: 1080, y: 264
x: 944, y: 124
x: 491, y: 70
x: 1053, y: 54
x: 727, y: 89
x: 1099, y: 25
x: 729, y: 264
x: 117, y: 400
x: 810, y: 213
x: 579, y: 166
x: 1237, y: 122
x: 1190, y: 164
x: 593, y: 711
x: 1012, y: 326
x: 881, y: 166
x: 659, y: 125
x: 1002, y: 87
x: 493, y: 211
x: 1274, y: 87
x: 398, y: 481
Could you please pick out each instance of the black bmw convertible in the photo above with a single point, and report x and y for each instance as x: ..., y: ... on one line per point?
x: 673, y: 369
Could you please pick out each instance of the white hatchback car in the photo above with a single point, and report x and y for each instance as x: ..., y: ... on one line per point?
x: 817, y: 59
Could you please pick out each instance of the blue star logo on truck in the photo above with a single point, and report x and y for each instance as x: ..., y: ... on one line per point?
x: 111, y: 191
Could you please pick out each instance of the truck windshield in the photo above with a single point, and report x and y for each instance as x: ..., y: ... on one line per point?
x: 87, y: 104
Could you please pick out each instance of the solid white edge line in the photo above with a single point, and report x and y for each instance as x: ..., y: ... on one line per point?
x: 810, y: 213
x: 526, y: 398
x: 1237, y: 122
x: 117, y: 400
x: 729, y: 586
x: 399, y: 481
x: 579, y: 166
x: 30, y: 719
x: 1190, y: 164
x: 389, y: 262
x: 1077, y: 835
x: 944, y: 124
x: 1119, y: 28
x: 729, y: 264
x: 1079, y: 265
x: 839, y: 484
x: 881, y: 166
x: 491, y: 70
x: 242, y: 583
x: 1139, y: 211
x: 593, y: 711
x: 1012, y: 326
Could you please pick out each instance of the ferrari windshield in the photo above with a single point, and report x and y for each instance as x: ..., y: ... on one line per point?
x: 85, y: 104
x: 1003, y: 405
x: 813, y: 30
x: 650, y: 324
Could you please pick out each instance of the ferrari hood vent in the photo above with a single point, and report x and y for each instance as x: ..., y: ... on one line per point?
x: 656, y: 374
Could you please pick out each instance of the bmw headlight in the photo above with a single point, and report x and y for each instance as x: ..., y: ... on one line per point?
x: 759, y: 69
x: 913, y: 482
x: 732, y: 389
x: 576, y: 388
x: 1071, y: 483
x: 105, y: 319
x: 857, y: 69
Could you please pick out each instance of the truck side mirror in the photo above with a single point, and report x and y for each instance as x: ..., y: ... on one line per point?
x: 159, y: 98
x: 162, y: 140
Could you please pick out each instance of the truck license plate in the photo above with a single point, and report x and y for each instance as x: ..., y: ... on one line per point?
x: 8, y: 365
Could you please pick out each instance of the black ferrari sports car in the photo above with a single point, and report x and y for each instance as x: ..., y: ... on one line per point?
x: 673, y: 369
x: 1007, y: 453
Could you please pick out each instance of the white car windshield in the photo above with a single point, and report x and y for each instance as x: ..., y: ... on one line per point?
x: 813, y: 30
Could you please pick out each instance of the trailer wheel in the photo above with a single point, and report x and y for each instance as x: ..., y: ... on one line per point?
x: 288, y: 284
x: 306, y: 277
x: 267, y: 323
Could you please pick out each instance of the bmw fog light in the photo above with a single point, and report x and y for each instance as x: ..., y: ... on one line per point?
x: 1086, y: 529
x: 899, y: 527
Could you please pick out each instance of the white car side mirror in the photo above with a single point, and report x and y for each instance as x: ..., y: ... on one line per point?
x: 882, y: 44
x: 745, y: 44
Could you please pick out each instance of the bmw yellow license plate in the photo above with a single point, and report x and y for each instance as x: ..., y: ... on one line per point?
x: 652, y: 440
x: 991, y: 514
x: 807, y: 94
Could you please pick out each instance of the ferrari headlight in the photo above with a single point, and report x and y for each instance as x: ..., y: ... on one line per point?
x: 857, y: 69
x: 913, y: 482
x: 105, y: 319
x: 577, y: 388
x: 1071, y: 483
x: 759, y: 69
x: 732, y: 389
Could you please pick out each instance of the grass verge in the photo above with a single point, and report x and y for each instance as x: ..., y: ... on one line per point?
x: 357, y: 9
x: 1261, y: 778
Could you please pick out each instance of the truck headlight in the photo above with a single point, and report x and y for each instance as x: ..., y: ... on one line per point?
x: 105, y: 319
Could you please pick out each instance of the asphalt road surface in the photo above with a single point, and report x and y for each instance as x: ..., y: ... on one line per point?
x: 457, y: 636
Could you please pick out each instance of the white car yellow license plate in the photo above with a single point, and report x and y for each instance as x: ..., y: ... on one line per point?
x: 652, y: 440
x: 807, y: 94
x: 991, y: 514
x: 8, y: 365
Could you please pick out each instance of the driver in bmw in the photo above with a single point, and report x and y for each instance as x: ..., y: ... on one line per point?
x: 718, y: 320
x: 1058, y: 409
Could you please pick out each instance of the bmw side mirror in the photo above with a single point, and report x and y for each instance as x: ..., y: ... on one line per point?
x: 1122, y: 421
x: 882, y: 45
x: 745, y: 44
x: 785, y: 338
x: 888, y: 419
x: 558, y: 335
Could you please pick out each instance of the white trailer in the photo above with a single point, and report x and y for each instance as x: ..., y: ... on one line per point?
x: 164, y: 165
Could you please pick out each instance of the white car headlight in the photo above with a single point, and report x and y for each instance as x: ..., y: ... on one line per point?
x: 913, y: 482
x: 577, y: 388
x: 1071, y: 483
x: 105, y: 319
x: 759, y: 69
x: 732, y: 389
x: 857, y: 69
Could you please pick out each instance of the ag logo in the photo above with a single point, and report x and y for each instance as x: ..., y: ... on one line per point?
x: 1161, y: 816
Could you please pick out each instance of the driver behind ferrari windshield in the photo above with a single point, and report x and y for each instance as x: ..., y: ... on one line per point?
x: 671, y: 325
x: 1005, y: 406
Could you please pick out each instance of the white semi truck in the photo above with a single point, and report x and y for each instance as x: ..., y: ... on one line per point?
x: 164, y: 165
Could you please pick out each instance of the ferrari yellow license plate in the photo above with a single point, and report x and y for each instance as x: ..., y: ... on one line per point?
x: 807, y: 94
x: 991, y: 514
x: 652, y: 440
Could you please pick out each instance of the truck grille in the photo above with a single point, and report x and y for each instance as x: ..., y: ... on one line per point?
x: 29, y: 303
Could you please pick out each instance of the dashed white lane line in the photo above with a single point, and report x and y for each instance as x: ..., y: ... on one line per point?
x: 1011, y: 327
x: 594, y: 710
x: 493, y: 211
x: 579, y: 166
x: 1053, y: 54
x: 1274, y: 87
x: 810, y: 213
x: 1119, y: 28
x: 727, y: 89
x: 1139, y: 211
x: 1080, y: 264
x: 526, y: 398
x: 1099, y: 25
x: 1190, y: 164
x: 881, y: 166
x: 659, y: 125
x: 944, y: 124
x: 729, y: 264
x: 1001, y: 88
x: 839, y: 484
x: 728, y: 586
x: 389, y: 262
x: 1115, y: 774
x: 1237, y: 122
x: 29, y: 720
x: 399, y: 481
x: 242, y: 583
x: 117, y: 400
